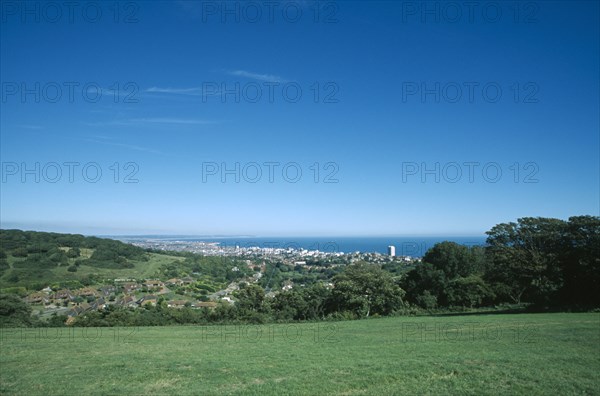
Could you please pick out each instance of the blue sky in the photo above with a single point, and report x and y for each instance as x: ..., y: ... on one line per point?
x: 369, y: 116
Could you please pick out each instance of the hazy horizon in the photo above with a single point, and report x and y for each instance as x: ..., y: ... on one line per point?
x: 88, y: 231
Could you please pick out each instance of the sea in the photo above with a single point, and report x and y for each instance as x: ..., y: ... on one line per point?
x: 404, y: 245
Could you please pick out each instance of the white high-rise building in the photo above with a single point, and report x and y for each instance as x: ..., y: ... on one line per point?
x: 392, y: 251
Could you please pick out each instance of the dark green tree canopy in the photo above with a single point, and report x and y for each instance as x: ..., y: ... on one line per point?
x: 454, y: 259
x: 366, y: 289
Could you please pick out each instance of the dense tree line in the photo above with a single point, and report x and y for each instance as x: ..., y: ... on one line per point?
x: 450, y: 275
x: 546, y: 261
x: 539, y: 261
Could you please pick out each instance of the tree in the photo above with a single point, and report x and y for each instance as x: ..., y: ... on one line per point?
x: 289, y: 305
x: 469, y: 292
x: 56, y: 320
x: 366, y: 289
x: 317, y: 298
x: 306, y: 303
x: 524, y: 259
x: 455, y: 260
x: 250, y: 298
x: 426, y: 286
x: 426, y: 300
x: 20, y: 252
x: 14, y: 312
x: 580, y: 262
x: 3, y: 265
x: 450, y: 274
x: 74, y: 252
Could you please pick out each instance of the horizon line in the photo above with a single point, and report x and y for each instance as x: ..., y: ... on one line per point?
x: 245, y: 236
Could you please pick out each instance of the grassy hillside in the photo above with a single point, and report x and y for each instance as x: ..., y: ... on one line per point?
x: 482, y: 354
x: 142, y: 269
x: 36, y: 259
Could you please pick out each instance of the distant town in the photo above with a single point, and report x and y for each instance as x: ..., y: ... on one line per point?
x: 286, y: 255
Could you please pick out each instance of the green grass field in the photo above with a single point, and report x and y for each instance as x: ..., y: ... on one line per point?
x: 142, y: 269
x: 534, y: 354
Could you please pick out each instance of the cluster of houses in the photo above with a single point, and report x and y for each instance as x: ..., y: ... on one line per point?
x: 251, y: 265
x: 48, y: 296
x: 129, y: 293
x: 123, y: 295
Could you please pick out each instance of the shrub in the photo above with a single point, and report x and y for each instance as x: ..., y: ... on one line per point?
x: 20, y: 252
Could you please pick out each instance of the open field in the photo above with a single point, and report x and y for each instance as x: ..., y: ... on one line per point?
x: 471, y: 354
x: 142, y: 269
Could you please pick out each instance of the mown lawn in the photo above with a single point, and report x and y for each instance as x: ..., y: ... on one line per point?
x: 533, y: 354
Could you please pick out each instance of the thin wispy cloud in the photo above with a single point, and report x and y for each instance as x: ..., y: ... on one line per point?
x: 176, y: 91
x: 101, y: 140
x: 257, y: 76
x: 153, y: 121
x: 129, y: 92
x: 184, y: 121
x: 210, y: 89
x: 27, y: 126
